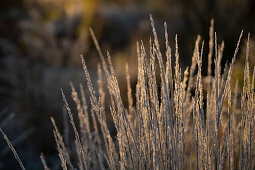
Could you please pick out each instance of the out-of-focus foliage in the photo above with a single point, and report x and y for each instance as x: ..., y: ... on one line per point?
x: 61, y: 27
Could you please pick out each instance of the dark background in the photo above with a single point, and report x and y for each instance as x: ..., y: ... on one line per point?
x: 41, y: 42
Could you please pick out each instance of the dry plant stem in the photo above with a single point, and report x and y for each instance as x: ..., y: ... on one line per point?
x: 181, y: 120
x: 63, y: 154
x: 77, y: 138
x: 168, y: 125
x: 13, y: 150
x: 111, y: 79
x: 129, y: 92
x: 163, y: 78
x: 17, y: 141
x: 44, y: 162
x: 155, y: 134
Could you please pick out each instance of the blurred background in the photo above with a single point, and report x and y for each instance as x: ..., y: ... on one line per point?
x: 41, y: 42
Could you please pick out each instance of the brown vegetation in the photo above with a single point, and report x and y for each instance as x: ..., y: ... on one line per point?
x: 186, y: 121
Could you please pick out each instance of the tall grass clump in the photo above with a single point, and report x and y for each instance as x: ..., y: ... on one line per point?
x: 183, y: 121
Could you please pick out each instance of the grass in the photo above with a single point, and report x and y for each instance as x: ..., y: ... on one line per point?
x: 180, y: 122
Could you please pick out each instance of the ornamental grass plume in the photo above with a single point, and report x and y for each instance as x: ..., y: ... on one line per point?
x: 165, y: 125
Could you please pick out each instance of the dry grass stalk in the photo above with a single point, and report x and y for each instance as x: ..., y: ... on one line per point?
x: 13, y: 150
x: 175, y: 123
